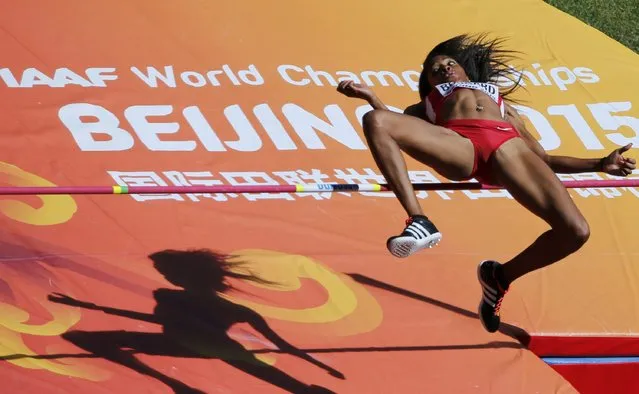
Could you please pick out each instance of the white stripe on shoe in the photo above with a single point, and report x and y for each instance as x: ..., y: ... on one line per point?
x: 420, y: 228
x: 415, y: 233
x: 491, y: 290
x: 489, y: 298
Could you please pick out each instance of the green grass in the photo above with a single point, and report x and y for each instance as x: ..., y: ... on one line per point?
x: 618, y: 19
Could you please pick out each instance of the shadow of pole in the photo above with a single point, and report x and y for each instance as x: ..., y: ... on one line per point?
x: 514, y: 332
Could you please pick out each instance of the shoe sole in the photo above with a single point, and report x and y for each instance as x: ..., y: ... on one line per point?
x: 403, y: 247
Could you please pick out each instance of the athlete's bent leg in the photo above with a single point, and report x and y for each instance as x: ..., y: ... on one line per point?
x: 536, y: 187
x: 451, y: 155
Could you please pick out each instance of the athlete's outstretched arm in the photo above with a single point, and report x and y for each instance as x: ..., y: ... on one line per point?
x: 614, y: 163
x: 352, y: 89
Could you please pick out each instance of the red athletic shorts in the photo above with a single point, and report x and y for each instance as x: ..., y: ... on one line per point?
x: 487, y: 136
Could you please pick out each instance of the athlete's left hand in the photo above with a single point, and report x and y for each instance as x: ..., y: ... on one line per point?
x: 616, y: 164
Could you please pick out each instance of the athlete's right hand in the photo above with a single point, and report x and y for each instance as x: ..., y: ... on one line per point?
x: 357, y: 90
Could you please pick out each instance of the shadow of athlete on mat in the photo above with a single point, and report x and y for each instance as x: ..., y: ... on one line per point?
x: 195, y: 321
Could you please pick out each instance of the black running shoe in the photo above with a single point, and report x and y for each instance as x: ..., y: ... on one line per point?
x: 419, y: 233
x: 492, y: 295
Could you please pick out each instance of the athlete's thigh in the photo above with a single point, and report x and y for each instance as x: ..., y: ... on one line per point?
x: 445, y: 151
x: 534, y: 185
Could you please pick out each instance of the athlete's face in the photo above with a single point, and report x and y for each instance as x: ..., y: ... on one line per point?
x: 444, y: 69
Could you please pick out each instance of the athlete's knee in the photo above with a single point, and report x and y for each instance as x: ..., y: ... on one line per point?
x: 581, y: 232
x: 575, y: 232
x: 375, y: 121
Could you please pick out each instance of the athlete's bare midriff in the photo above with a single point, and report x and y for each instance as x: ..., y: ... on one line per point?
x: 464, y: 104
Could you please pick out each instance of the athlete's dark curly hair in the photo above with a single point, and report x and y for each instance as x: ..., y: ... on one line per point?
x: 483, y: 59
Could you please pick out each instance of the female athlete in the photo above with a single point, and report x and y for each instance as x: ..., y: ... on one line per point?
x: 463, y: 128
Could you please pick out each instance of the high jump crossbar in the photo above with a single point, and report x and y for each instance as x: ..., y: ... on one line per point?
x: 299, y: 188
